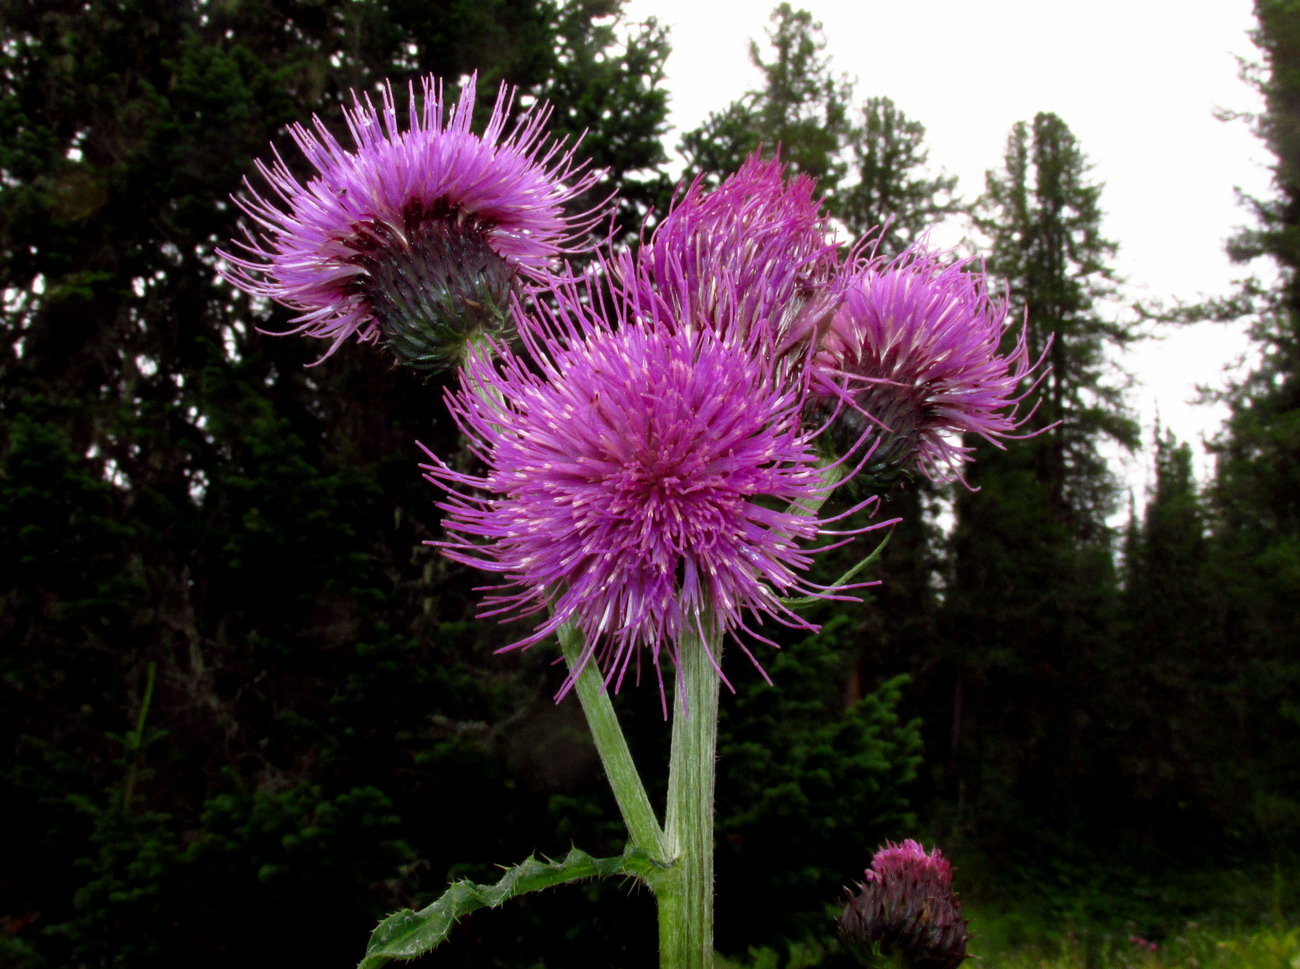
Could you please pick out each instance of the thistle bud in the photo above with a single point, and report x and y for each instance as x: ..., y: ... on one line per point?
x: 905, y: 910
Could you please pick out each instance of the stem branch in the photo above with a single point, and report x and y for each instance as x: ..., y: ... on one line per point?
x: 615, y: 757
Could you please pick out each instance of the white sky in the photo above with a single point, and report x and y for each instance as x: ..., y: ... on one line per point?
x: 1138, y: 82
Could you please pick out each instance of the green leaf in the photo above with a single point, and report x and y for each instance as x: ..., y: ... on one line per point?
x: 407, y: 934
x: 843, y: 580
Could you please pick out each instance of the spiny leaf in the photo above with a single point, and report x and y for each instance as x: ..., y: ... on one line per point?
x: 407, y: 934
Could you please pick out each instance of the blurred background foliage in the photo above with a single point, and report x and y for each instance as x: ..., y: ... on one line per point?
x: 246, y: 712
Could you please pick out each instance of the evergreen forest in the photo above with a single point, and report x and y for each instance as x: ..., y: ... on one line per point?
x: 246, y: 711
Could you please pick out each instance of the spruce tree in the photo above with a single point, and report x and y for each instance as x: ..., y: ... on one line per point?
x: 1043, y: 218
x: 869, y: 173
x: 890, y: 198
x: 871, y: 168
x: 892, y: 183
x: 238, y: 692
x: 1165, y: 701
x: 1032, y: 600
x: 1255, y: 495
x: 802, y: 107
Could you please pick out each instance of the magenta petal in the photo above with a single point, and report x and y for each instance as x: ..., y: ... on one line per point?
x: 752, y: 260
x: 916, y: 350
x: 639, y: 476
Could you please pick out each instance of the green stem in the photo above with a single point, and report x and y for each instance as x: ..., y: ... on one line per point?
x: 831, y: 476
x: 615, y: 756
x: 136, y: 740
x: 686, y: 894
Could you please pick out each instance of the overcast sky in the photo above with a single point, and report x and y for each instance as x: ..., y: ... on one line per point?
x: 1138, y: 82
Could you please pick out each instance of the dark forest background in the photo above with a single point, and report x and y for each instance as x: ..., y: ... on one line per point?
x: 246, y: 713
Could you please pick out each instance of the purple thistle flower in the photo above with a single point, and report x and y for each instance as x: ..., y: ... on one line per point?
x: 642, y: 483
x: 418, y: 233
x: 914, y: 353
x: 905, y: 908
x: 752, y: 260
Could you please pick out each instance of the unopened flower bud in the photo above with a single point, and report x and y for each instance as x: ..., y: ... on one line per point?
x: 905, y: 910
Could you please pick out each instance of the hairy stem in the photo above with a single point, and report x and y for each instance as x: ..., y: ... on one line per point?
x: 686, y: 893
x: 615, y: 757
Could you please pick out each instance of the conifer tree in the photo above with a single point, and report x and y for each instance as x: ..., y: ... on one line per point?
x: 890, y: 197
x: 802, y: 106
x: 871, y: 170
x: 1163, y: 576
x: 1255, y: 496
x: 892, y: 183
x: 1164, y: 702
x: 236, y: 687
x: 1033, y: 593
x: 1043, y: 218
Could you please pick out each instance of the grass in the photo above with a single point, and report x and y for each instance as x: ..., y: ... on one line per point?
x: 1245, y: 917
x: 1226, y: 919
x: 1193, y: 946
x: 1005, y: 940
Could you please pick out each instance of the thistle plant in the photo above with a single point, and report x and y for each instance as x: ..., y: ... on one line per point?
x: 650, y: 434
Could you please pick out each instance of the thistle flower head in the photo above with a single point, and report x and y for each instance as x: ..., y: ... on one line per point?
x: 913, y: 358
x: 905, y: 909
x: 643, y: 482
x: 751, y: 260
x: 418, y: 233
